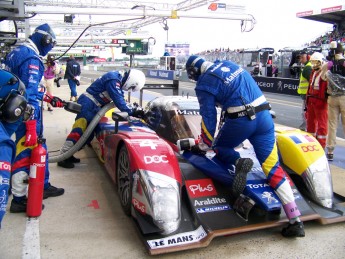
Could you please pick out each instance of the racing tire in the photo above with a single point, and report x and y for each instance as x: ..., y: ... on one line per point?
x: 124, y: 180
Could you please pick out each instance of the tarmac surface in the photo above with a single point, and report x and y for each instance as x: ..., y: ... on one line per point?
x: 88, y: 222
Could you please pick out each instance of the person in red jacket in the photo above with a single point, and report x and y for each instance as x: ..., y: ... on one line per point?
x: 317, y: 114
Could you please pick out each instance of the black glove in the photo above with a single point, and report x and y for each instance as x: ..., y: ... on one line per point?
x: 196, y: 150
x: 56, y: 102
x: 139, y: 113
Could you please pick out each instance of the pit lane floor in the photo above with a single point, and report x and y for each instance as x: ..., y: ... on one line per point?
x: 88, y: 222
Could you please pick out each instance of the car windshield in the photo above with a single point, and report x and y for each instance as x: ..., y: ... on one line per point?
x: 175, y: 117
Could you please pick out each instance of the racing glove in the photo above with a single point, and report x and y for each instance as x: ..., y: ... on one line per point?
x: 137, y: 111
x: 54, y: 101
x: 201, y: 148
x: 30, y: 135
x: 57, y: 102
x: 197, y: 150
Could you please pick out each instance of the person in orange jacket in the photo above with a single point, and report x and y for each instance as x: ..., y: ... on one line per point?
x: 317, y: 111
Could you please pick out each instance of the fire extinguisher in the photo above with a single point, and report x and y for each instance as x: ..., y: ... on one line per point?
x: 37, y: 174
x: 36, y: 179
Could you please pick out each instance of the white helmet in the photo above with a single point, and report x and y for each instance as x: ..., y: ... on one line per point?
x: 134, y: 80
x: 316, y: 60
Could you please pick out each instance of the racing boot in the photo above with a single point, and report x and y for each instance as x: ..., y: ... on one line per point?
x: 294, y: 230
x: 69, y: 162
x: 52, y: 191
x: 242, y: 168
x: 74, y: 160
x: 18, y: 206
x: 66, y: 164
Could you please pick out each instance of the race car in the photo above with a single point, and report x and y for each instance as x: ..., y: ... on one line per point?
x: 165, y: 187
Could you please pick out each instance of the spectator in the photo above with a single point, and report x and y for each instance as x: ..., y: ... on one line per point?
x: 51, y: 70
x: 246, y: 116
x: 335, y: 76
x: 12, y: 107
x: 317, y: 115
x: 72, y: 74
x: 303, y: 85
x: 25, y: 62
x: 105, y: 89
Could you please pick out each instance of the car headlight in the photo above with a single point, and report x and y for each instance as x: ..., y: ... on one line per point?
x: 319, y: 182
x: 164, y: 199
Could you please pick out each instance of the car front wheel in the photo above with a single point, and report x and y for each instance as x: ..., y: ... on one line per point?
x: 124, y: 180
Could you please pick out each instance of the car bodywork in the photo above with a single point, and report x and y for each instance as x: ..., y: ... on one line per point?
x: 169, y: 191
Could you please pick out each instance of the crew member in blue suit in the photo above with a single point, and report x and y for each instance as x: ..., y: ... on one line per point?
x: 110, y: 87
x: 25, y: 61
x: 245, y: 116
x: 13, y: 106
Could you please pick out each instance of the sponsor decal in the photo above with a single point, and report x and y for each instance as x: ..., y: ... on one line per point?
x: 6, y: 166
x: 305, y: 13
x: 269, y: 196
x: 310, y: 148
x: 232, y: 77
x: 209, y: 201
x: 43, y: 159
x: 290, y: 86
x: 139, y: 206
x: 153, y: 73
x: 331, y: 9
x: 33, y: 67
x: 163, y: 74
x: 265, y: 84
x: 215, y: 6
x: 188, y: 112
x: 225, y: 69
x: 38, y: 165
x: 155, y: 159
x: 179, y: 239
x: 258, y: 185
x: 213, y: 209
x: 201, y: 188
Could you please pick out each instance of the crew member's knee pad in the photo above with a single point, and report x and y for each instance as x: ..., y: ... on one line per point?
x: 19, y: 183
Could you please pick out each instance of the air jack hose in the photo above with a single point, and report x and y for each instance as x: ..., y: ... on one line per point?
x: 81, y: 142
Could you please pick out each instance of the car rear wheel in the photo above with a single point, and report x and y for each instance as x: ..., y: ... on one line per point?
x: 124, y: 180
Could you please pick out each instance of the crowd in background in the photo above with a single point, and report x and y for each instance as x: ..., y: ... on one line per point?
x: 234, y: 54
x: 335, y: 35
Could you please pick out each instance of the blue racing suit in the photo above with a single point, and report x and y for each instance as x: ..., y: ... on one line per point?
x: 7, y: 150
x: 101, y: 92
x: 25, y: 62
x: 227, y: 85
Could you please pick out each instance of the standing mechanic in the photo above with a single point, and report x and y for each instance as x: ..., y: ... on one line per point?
x: 317, y: 114
x: 13, y: 105
x: 105, y: 89
x: 25, y: 62
x: 246, y: 116
x: 303, y: 84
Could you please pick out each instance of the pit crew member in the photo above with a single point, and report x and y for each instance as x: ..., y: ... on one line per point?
x: 25, y: 61
x: 13, y: 106
x: 246, y: 116
x: 109, y: 87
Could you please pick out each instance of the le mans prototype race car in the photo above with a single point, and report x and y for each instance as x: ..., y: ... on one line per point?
x: 166, y: 189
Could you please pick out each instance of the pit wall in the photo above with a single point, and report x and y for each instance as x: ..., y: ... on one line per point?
x: 277, y: 85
